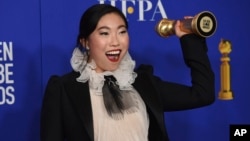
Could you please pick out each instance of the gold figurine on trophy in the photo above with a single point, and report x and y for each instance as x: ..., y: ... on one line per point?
x: 225, y: 92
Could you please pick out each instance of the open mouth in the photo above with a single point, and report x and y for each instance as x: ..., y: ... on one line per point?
x: 113, y: 55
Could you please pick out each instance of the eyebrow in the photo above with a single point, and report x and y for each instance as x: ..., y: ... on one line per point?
x: 106, y: 27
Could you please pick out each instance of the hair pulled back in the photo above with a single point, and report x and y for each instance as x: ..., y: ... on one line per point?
x: 91, y: 17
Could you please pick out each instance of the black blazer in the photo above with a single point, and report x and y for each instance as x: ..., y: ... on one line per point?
x: 67, y: 114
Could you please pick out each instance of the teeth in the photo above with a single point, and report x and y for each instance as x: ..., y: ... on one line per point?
x: 113, y: 52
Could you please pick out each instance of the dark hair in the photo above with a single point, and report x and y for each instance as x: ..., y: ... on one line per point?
x: 91, y: 17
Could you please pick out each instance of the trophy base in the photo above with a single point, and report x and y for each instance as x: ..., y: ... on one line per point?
x: 204, y: 24
x: 225, y: 95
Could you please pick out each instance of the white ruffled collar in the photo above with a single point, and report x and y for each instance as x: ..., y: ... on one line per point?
x: 124, y: 75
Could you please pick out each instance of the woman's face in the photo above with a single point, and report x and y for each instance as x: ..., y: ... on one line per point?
x: 108, y: 43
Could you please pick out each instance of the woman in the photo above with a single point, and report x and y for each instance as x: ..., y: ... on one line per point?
x: 106, y: 99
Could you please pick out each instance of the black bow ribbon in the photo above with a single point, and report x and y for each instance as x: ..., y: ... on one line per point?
x: 112, y: 96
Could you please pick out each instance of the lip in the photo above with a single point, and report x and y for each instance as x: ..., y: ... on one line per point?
x: 113, y: 55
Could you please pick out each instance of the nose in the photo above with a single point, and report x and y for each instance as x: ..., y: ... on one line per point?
x: 115, y: 41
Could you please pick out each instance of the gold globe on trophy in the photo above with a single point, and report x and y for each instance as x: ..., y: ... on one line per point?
x: 203, y: 24
x: 225, y: 92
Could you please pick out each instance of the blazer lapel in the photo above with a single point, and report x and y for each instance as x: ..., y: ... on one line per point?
x: 145, y: 88
x: 143, y: 84
x: 80, y: 96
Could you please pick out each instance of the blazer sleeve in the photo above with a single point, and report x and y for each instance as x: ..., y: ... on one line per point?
x: 201, y: 92
x: 50, y: 124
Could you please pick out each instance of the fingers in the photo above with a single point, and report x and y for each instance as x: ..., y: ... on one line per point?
x: 177, y: 23
x: 188, y: 17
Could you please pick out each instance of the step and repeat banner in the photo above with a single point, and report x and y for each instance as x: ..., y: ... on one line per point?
x: 37, y: 38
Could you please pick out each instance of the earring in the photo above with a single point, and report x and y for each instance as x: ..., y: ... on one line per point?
x: 87, y: 48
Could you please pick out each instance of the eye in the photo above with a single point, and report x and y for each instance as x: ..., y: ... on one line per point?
x: 123, y: 32
x: 104, y: 33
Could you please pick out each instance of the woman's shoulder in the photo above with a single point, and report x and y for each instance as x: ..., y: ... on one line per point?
x: 64, y: 78
x: 70, y: 75
x: 144, y: 68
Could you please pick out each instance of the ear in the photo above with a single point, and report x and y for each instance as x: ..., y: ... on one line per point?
x: 84, y: 42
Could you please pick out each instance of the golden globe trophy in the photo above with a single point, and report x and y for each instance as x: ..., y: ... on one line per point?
x: 203, y: 24
x: 225, y: 92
